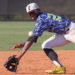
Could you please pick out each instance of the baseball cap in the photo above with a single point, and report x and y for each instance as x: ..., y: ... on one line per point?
x: 32, y: 6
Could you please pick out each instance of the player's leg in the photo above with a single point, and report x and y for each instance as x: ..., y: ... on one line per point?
x: 54, y: 41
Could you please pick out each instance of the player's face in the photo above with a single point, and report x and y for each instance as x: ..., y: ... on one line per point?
x: 32, y: 15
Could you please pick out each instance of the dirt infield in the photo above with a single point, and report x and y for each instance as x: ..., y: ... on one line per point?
x: 36, y: 62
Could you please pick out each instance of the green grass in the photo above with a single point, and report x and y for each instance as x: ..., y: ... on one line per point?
x: 12, y: 32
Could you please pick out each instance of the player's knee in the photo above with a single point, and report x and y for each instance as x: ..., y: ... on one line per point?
x: 45, y: 45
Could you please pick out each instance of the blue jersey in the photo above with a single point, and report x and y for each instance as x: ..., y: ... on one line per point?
x: 51, y: 23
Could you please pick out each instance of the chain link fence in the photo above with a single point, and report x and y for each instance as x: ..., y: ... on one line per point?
x: 15, y: 9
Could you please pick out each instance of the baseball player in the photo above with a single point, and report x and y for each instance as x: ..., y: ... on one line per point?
x: 63, y: 27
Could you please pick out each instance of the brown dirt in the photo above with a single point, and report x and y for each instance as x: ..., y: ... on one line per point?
x: 36, y: 62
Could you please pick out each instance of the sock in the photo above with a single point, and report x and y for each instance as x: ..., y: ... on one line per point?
x: 57, y: 63
x: 53, y: 56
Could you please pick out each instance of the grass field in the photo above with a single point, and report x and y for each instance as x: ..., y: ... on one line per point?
x: 12, y: 32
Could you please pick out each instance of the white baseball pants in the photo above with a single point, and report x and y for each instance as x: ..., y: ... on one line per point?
x: 61, y: 40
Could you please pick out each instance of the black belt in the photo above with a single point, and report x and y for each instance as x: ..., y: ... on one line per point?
x: 67, y: 30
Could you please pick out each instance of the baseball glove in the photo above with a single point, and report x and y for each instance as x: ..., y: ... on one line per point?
x: 11, y: 64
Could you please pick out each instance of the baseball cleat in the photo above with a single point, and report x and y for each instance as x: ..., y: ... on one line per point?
x: 57, y: 70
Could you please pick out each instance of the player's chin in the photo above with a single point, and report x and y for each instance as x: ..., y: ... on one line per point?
x: 33, y: 18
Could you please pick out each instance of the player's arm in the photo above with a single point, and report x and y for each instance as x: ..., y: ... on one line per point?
x: 27, y: 45
x: 32, y: 39
x: 38, y: 30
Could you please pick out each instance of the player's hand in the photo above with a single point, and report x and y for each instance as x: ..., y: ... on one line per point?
x: 17, y: 46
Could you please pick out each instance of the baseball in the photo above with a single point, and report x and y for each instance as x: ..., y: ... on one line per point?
x: 30, y: 34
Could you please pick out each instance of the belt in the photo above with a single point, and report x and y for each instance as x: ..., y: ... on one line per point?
x: 67, y: 31
x: 68, y: 28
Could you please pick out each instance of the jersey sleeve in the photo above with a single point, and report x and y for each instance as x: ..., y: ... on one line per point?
x: 39, y: 28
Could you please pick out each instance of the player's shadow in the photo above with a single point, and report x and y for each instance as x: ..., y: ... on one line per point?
x: 71, y: 73
x: 25, y: 73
